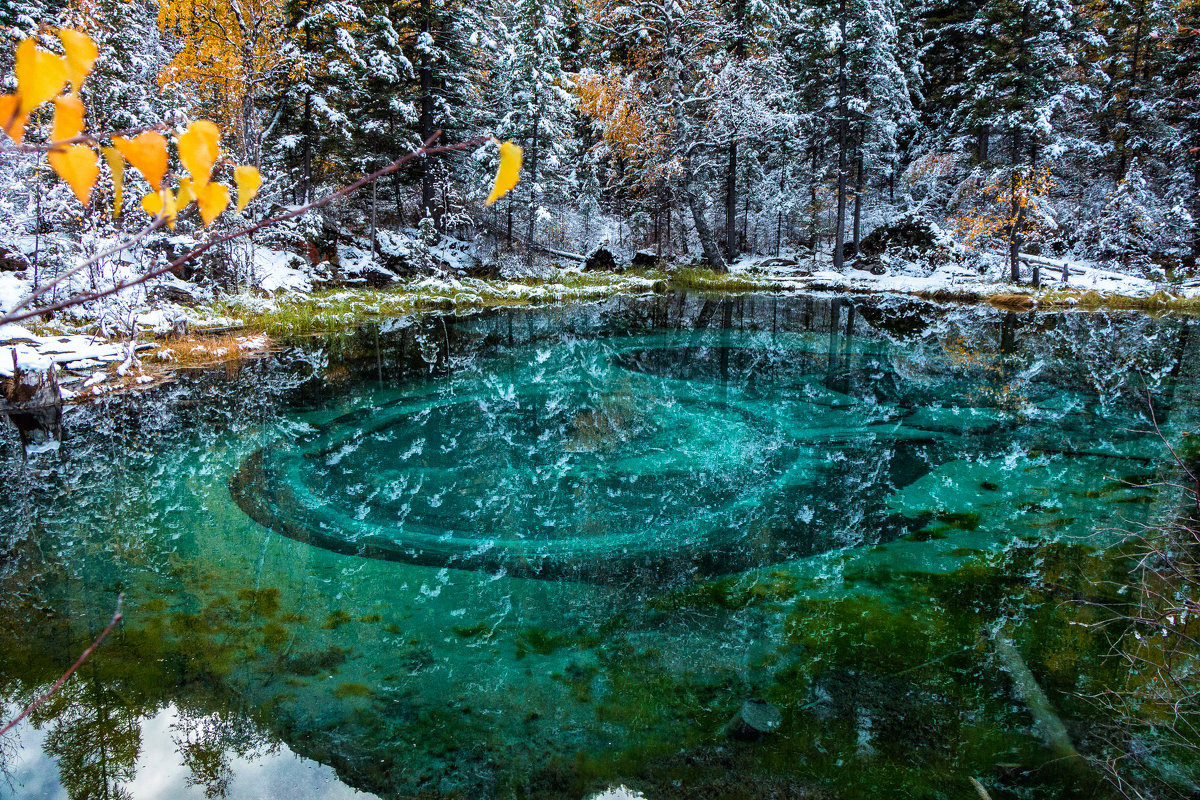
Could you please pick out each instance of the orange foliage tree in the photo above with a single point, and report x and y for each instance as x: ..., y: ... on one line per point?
x: 1013, y: 212
x: 233, y: 51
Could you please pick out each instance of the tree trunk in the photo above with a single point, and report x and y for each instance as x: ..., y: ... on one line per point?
x: 708, y: 242
x: 731, y: 204
x: 859, y: 189
x: 839, y: 241
x: 307, y: 147
x: 426, y: 78
x: 533, y: 167
x: 983, y: 138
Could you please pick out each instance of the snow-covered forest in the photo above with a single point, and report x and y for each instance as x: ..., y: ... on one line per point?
x: 696, y: 131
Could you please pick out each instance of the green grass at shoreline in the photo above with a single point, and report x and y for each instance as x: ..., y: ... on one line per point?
x: 332, y: 309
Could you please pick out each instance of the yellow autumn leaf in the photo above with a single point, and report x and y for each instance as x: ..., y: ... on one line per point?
x: 12, y: 120
x: 186, y: 195
x: 509, y: 172
x: 77, y: 166
x: 248, y: 180
x: 68, y: 117
x: 152, y: 203
x: 116, y: 167
x: 198, y: 148
x: 212, y: 199
x: 161, y: 204
x: 147, y: 152
x: 40, y: 75
x: 81, y: 55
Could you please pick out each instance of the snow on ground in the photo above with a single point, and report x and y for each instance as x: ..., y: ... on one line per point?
x: 276, y: 270
x: 621, y: 792
x: 37, y: 353
x: 953, y: 277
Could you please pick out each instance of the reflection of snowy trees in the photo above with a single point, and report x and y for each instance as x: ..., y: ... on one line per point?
x: 98, y: 516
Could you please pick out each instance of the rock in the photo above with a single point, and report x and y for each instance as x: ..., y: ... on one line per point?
x: 644, y: 259
x: 754, y: 720
x: 910, y: 238
x: 12, y: 261
x: 377, y: 278
x: 772, y: 263
x: 600, y: 259
x: 171, y: 294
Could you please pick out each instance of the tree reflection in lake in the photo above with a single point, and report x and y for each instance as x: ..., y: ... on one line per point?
x: 974, y: 452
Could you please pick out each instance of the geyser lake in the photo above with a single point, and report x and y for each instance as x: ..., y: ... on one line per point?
x: 537, y: 553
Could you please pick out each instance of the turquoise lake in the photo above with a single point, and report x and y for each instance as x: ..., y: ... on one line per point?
x: 540, y: 553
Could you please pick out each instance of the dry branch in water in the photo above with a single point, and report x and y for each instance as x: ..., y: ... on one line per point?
x: 29, y: 709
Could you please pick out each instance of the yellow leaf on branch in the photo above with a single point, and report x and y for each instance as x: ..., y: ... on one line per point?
x: 40, y: 75
x: 81, y: 55
x: 68, y: 117
x: 212, y: 199
x: 152, y: 203
x: 77, y: 166
x: 12, y: 119
x: 509, y: 172
x: 116, y: 166
x: 161, y: 204
x: 186, y: 195
x: 248, y: 180
x: 198, y: 148
x: 147, y: 152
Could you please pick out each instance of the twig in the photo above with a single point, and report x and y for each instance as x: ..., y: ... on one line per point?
x: 425, y: 150
x: 29, y: 709
x: 83, y: 138
x: 155, y: 224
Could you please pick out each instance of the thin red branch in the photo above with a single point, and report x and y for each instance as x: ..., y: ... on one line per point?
x: 29, y: 709
x: 83, y: 138
x: 86, y: 297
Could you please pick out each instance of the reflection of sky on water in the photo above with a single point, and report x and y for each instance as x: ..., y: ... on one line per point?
x: 161, y: 774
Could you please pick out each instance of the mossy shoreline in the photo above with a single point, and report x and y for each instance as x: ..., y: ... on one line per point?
x: 329, y: 310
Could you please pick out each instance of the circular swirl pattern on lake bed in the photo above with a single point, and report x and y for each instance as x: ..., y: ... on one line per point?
x: 600, y: 459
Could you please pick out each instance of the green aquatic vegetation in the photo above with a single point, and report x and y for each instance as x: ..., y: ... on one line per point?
x: 316, y: 662
x: 260, y: 602
x: 959, y: 520
x: 540, y: 641
x: 336, y: 619
x: 275, y: 636
x: 371, y: 618
x: 928, y: 534
x: 729, y: 594
x: 471, y: 631
x: 580, y: 679
x: 351, y: 689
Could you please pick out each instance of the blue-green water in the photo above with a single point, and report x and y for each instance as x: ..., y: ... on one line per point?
x: 539, y: 553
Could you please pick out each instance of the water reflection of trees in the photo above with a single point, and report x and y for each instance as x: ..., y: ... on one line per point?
x: 93, y: 510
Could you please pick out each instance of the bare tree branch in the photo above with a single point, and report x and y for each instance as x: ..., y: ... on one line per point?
x: 86, y: 297
x: 29, y: 709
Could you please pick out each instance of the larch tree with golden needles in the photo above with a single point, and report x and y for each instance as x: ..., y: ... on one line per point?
x: 1014, y: 213
x: 233, y: 52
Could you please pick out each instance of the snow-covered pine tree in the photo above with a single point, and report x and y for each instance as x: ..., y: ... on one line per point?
x: 540, y: 114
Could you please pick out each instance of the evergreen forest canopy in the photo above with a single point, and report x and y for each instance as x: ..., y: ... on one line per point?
x: 718, y: 129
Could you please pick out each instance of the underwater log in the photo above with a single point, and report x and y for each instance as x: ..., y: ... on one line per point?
x: 755, y: 719
x: 1048, y: 723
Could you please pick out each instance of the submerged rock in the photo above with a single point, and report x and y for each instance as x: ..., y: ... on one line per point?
x: 754, y: 720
